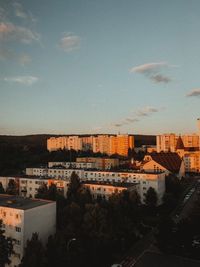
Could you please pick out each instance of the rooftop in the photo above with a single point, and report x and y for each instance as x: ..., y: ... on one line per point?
x: 16, y: 202
x: 113, y: 184
x: 157, y: 260
x: 170, y: 161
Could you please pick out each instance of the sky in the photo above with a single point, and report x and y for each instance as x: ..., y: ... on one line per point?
x: 90, y: 66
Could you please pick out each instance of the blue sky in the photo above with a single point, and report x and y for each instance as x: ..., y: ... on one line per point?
x: 106, y: 66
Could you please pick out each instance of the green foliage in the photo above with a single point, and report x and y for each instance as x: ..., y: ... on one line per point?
x: 12, y: 188
x: 42, y: 191
x: 34, y: 253
x: 151, y: 197
x: 2, y: 191
x: 6, y: 248
x: 73, y: 188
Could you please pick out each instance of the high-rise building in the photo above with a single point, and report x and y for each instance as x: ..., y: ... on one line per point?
x: 105, y: 144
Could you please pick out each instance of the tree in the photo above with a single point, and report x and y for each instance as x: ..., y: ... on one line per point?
x: 52, y: 192
x: 12, y: 188
x: 42, y: 191
x: 34, y: 253
x: 151, y: 198
x: 6, y: 248
x: 74, y: 186
x: 2, y: 191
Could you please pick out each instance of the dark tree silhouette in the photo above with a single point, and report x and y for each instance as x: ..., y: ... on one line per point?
x: 34, y: 253
x: 151, y: 197
x: 6, y: 248
x: 2, y: 191
x: 12, y: 188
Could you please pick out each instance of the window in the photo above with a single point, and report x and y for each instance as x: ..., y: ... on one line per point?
x: 17, y: 242
x: 18, y: 229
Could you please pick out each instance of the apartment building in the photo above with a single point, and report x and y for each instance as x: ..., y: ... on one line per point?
x: 144, y: 180
x: 168, y: 142
x: 100, y: 163
x: 192, y: 162
x: 22, y: 217
x: 106, y: 189
x: 74, y: 165
x: 105, y: 144
x: 28, y: 185
x: 64, y: 142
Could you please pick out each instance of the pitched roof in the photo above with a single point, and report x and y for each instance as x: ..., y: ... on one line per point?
x: 179, y: 144
x: 170, y: 161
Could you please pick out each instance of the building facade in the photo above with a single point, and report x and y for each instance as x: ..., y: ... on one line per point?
x: 105, y: 144
x: 22, y: 217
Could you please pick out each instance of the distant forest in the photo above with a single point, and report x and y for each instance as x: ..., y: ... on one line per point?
x: 19, y: 152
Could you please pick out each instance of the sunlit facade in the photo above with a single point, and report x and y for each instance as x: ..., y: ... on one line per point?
x: 168, y: 142
x: 105, y: 144
x: 22, y: 217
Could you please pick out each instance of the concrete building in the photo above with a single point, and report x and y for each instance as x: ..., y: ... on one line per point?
x: 22, y: 217
x: 74, y: 165
x: 106, y: 189
x: 100, y: 163
x: 168, y: 142
x: 64, y: 142
x: 105, y: 144
x: 192, y: 162
x: 28, y: 185
x: 144, y: 180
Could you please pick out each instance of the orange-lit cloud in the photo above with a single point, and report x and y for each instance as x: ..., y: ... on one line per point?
x: 70, y: 42
x: 11, y: 32
x: 194, y: 92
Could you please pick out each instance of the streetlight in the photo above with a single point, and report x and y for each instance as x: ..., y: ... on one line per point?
x: 69, y: 242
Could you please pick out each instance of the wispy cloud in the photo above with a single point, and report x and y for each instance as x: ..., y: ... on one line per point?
x: 8, y: 54
x: 19, y: 11
x: 147, y: 111
x: 24, y: 80
x: 136, y: 116
x: 153, y: 71
x: 11, y: 32
x: 12, y: 12
x: 70, y: 42
x: 194, y: 92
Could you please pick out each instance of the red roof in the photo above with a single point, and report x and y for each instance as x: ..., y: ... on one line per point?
x: 170, y: 161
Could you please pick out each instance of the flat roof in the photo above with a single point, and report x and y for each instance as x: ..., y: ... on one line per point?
x: 16, y: 202
x: 113, y: 184
x: 25, y: 176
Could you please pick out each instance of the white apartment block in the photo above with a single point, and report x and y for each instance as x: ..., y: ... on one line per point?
x: 75, y: 165
x: 28, y: 186
x: 100, y: 163
x: 105, y: 189
x: 145, y: 180
x: 81, y: 163
x: 22, y: 217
